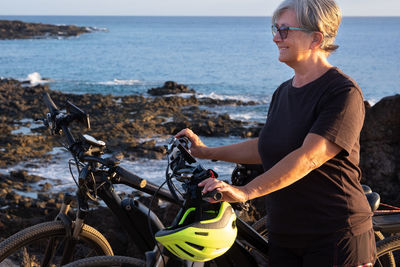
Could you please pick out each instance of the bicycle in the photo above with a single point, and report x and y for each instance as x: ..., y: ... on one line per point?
x: 64, y: 240
x: 156, y: 257
x: 387, y: 221
x: 249, y: 249
x: 385, y: 246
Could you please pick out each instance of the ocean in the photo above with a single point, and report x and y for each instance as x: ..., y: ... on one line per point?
x: 219, y: 57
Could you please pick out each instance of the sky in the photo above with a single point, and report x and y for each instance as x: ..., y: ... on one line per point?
x: 182, y: 7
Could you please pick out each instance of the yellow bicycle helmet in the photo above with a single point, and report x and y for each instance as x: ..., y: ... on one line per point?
x: 201, y: 240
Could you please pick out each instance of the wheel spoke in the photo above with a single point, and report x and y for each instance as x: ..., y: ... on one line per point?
x: 378, y: 263
x: 50, y: 251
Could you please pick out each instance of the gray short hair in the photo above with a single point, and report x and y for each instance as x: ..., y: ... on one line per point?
x: 315, y: 15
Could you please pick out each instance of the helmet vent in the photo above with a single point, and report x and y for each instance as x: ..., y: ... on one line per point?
x: 170, y: 248
x: 195, y: 246
x: 201, y: 233
x: 188, y: 253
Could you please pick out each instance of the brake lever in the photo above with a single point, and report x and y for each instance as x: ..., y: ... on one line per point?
x: 170, y: 145
x: 184, y: 175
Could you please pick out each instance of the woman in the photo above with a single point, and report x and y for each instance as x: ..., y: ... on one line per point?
x: 309, y: 147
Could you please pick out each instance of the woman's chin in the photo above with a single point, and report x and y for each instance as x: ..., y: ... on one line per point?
x: 282, y: 58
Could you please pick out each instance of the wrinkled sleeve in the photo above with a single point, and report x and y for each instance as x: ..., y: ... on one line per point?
x: 340, y: 117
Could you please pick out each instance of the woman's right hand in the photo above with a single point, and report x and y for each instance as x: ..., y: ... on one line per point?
x: 197, y: 148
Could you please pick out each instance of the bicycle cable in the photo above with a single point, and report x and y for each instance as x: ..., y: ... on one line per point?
x: 93, y: 196
x: 392, y: 210
x: 70, y: 163
x: 149, y: 222
x: 172, y: 187
x: 176, y: 189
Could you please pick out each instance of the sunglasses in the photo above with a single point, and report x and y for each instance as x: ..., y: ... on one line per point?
x: 284, y: 30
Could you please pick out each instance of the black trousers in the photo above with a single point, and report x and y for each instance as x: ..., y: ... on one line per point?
x: 343, y: 251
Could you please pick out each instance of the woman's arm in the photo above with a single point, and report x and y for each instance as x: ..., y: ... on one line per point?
x: 314, y: 152
x: 245, y: 152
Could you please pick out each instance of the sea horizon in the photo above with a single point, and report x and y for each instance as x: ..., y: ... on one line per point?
x: 211, y: 16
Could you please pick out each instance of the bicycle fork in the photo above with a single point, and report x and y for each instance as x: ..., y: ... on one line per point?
x: 72, y: 230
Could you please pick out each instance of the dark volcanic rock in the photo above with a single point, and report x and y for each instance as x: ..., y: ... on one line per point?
x: 170, y: 88
x: 119, y: 121
x: 19, y: 211
x: 127, y: 124
x: 22, y: 30
x: 17, y: 103
x: 380, y: 148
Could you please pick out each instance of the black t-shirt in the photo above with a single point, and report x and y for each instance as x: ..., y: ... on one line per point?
x: 329, y: 199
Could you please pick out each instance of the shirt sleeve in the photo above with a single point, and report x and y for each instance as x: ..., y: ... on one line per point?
x: 340, y: 117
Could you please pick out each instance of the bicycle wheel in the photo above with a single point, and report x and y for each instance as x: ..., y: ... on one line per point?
x: 378, y: 236
x: 46, y: 244
x: 107, y: 261
x: 388, y: 252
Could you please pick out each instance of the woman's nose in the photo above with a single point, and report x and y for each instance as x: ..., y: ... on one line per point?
x: 277, y: 37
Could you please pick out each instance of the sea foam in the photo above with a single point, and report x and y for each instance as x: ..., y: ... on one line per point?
x: 244, y: 98
x: 122, y: 82
x: 35, y: 78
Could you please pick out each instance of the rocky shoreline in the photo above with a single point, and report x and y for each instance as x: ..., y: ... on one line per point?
x: 380, y: 149
x: 122, y: 122
x: 15, y: 29
x: 119, y: 121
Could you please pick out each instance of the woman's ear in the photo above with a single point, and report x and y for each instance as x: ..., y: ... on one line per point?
x: 317, y: 40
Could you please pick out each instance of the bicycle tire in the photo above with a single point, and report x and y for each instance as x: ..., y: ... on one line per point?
x: 388, y: 247
x: 378, y: 236
x: 387, y: 259
x: 107, y: 261
x: 27, y: 245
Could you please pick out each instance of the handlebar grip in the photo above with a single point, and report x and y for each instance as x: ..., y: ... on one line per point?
x: 50, y: 104
x: 184, y: 140
x: 215, y: 194
x: 133, y: 178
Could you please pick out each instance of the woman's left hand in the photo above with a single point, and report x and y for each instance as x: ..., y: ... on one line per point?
x: 229, y: 192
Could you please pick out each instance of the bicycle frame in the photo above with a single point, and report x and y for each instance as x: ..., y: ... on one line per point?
x: 132, y: 214
x: 133, y: 217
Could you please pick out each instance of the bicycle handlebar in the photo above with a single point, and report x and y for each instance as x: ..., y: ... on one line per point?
x: 75, y: 113
x: 50, y: 104
x: 58, y: 120
x: 132, y: 178
x: 181, y: 165
x: 215, y: 195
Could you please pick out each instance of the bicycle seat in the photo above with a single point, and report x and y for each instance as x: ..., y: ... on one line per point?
x: 388, y: 223
x: 374, y: 200
x: 366, y: 188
